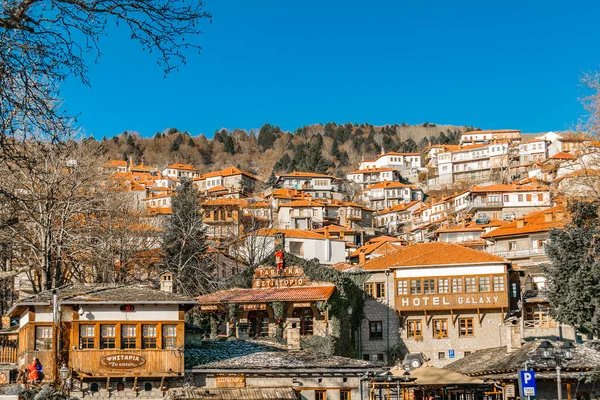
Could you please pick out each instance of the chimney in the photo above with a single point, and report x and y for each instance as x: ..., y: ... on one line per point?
x: 362, y: 258
x: 548, y: 216
x: 520, y: 222
x: 166, y: 282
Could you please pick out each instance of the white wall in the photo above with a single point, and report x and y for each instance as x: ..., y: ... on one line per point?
x: 110, y: 312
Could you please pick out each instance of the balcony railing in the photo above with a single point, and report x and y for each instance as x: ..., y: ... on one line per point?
x: 8, y: 354
x: 519, y: 253
x: 539, y: 324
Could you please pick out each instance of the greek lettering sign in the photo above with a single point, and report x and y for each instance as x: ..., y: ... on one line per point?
x: 265, y: 272
x: 209, y: 308
x: 279, y: 282
x: 455, y: 301
x: 122, y: 361
x: 233, y: 381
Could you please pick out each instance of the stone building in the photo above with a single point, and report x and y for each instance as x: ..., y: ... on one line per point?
x: 450, y: 300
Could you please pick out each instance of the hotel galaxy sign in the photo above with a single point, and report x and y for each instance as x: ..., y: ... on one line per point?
x: 452, y: 301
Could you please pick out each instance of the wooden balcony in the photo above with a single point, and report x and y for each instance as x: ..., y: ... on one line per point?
x: 8, y: 354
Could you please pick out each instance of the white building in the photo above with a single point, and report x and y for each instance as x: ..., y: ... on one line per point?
x: 488, y: 136
x: 317, y: 185
x: 301, y: 243
x: 178, y: 170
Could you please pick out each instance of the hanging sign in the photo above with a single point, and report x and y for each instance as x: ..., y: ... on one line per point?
x: 255, y: 306
x: 122, y: 361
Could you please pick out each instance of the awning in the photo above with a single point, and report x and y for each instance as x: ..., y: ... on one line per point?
x: 432, y: 376
x: 304, y: 293
x: 196, y: 393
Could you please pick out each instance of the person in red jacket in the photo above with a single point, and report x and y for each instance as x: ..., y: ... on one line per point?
x: 34, y: 371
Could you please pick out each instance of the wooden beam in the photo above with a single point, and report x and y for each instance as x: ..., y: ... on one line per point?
x: 135, y: 388
x: 162, y: 383
x: 108, y: 386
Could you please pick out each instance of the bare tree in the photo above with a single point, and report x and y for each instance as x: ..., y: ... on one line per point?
x: 591, y: 102
x: 44, y: 42
x: 52, y: 191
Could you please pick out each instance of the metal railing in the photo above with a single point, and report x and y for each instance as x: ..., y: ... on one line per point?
x: 519, y: 253
x: 539, y: 324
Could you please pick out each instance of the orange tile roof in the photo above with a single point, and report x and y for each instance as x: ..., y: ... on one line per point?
x: 385, y: 184
x: 431, y: 254
x: 258, y: 204
x: 510, y: 188
x: 115, y: 163
x: 224, y: 202
x: 306, y: 293
x: 160, y: 210
x: 294, y: 233
x: 305, y: 174
x: 218, y: 188
x: 184, y: 167
x: 367, y: 170
x: 492, y: 131
x: 333, y: 228
x: 473, y: 226
x: 384, y: 247
x: 533, y: 222
x: 398, y: 208
x: 394, y: 153
x: 302, y: 203
x: 383, y: 238
x: 563, y: 156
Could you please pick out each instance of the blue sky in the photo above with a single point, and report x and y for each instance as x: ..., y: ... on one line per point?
x: 493, y: 64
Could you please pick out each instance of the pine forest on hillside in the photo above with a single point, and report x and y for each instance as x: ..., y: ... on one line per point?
x: 330, y: 148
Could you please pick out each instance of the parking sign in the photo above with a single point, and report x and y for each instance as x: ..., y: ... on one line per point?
x: 450, y: 353
x: 527, y: 379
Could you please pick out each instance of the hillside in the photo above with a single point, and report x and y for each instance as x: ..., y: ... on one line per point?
x: 329, y: 148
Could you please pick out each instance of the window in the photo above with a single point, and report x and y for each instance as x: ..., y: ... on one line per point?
x: 528, y: 196
x: 441, y: 355
x: 471, y: 285
x: 306, y: 320
x: 107, y: 336
x: 320, y: 395
x: 429, y: 286
x: 297, y: 248
x: 366, y: 357
x: 169, y: 340
x: 375, y: 330
x: 467, y: 353
x: 498, y: 283
x: 506, y: 198
x: 465, y: 327
x: 86, y: 336
x: 148, y: 336
x: 540, y: 197
x: 128, y: 336
x: 440, y: 328
x: 414, y: 329
x: 344, y: 394
x: 513, y: 290
x: 520, y: 198
x: 484, y: 283
x: 415, y: 286
x: 369, y: 289
x: 512, y: 245
x: 457, y: 285
x: 379, y: 290
x: 43, y: 338
x: 402, y: 287
x: 443, y: 285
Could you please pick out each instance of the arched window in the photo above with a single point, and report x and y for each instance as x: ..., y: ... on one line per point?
x: 94, y: 387
x: 147, y: 387
x: 120, y: 387
x: 306, y: 320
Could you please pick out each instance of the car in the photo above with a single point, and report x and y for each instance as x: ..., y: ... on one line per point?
x: 414, y: 360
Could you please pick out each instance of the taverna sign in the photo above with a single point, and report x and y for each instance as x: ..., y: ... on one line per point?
x: 122, y: 361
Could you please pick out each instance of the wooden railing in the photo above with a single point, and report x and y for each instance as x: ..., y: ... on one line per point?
x: 8, y: 354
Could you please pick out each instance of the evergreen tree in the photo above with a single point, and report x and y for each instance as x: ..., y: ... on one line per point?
x: 229, y: 144
x: 176, y: 143
x: 184, y: 243
x: 267, y: 136
x: 272, y: 179
x: 574, y: 272
x: 191, y: 143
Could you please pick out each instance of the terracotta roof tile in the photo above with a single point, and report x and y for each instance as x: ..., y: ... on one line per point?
x: 386, y: 184
x: 306, y: 293
x: 293, y: 233
x: 306, y: 174
x: 534, y: 222
x: 368, y: 170
x: 510, y: 188
x: 434, y: 253
x: 563, y: 156
x: 185, y: 167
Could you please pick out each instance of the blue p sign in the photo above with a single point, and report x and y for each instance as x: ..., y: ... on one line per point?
x: 528, y: 388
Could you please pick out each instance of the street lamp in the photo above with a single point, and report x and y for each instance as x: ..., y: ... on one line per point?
x: 560, y: 356
x: 63, y: 372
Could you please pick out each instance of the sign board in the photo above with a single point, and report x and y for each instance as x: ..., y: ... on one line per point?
x: 209, y: 308
x: 122, y: 361
x: 268, y: 272
x: 128, y: 308
x: 451, y: 354
x: 255, y: 306
x: 279, y: 282
x: 527, y: 383
x: 453, y: 301
x: 300, y: 305
x: 230, y: 381
x: 509, y: 391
